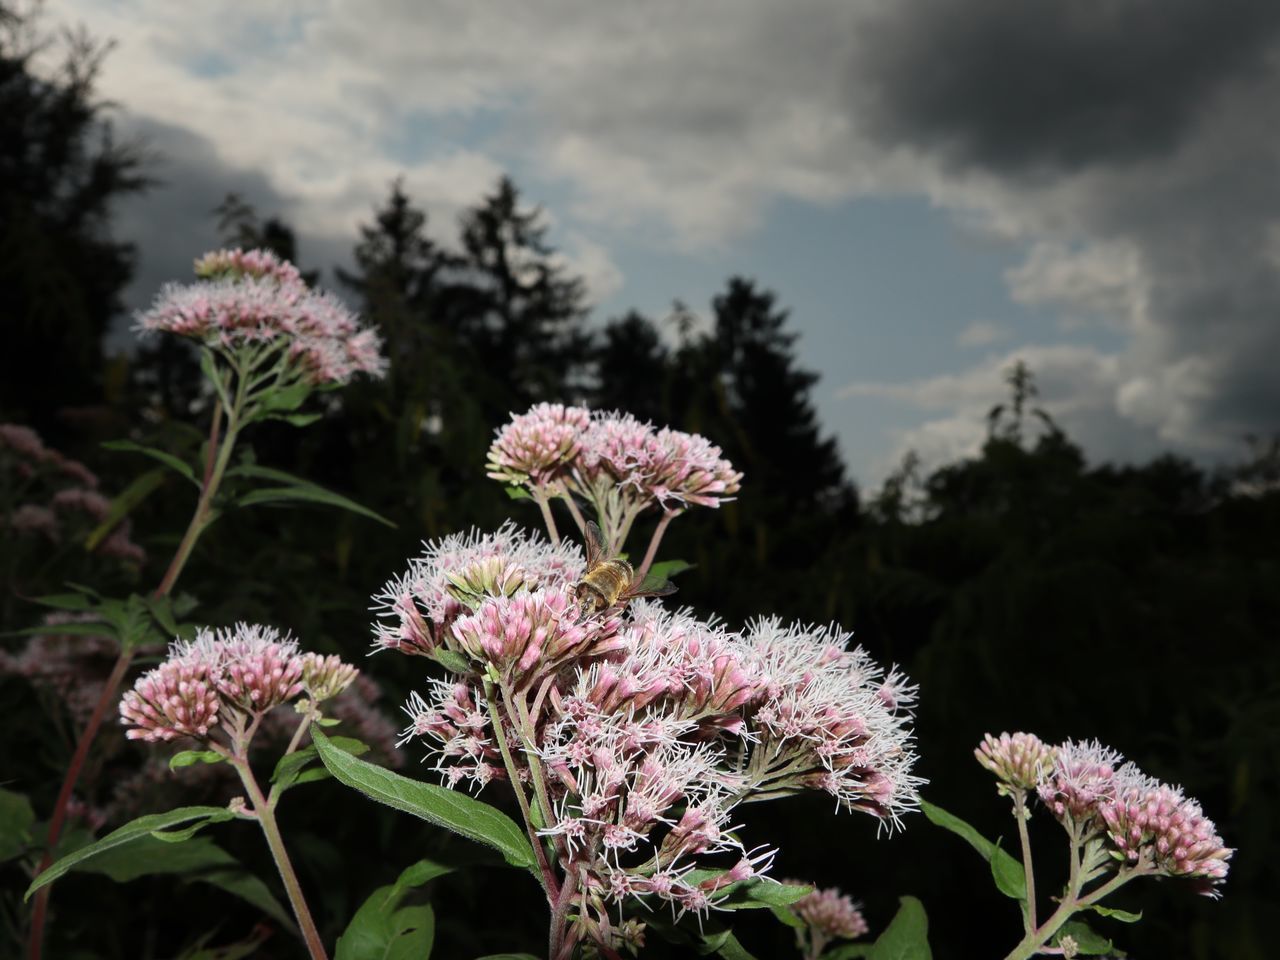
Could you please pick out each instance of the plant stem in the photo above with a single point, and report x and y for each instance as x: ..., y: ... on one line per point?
x: 216, y: 460
x: 1020, y: 814
x: 544, y: 504
x: 573, y: 509
x: 1035, y: 939
x: 267, y: 818
x: 557, y: 947
x: 549, y: 885
x: 667, y: 517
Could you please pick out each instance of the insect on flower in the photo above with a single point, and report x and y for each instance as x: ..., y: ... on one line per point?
x: 611, y: 581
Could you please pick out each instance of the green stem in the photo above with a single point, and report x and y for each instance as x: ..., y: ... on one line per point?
x: 1035, y: 939
x: 549, y: 885
x: 574, y: 512
x: 1020, y: 813
x: 267, y: 819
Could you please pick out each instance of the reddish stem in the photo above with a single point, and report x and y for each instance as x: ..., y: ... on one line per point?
x: 57, y: 821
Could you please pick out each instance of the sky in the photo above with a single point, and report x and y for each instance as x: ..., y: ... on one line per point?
x: 934, y: 188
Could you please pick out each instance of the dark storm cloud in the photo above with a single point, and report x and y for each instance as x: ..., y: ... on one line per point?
x: 173, y: 222
x: 1012, y: 85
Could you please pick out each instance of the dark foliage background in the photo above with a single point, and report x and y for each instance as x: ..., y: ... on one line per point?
x: 1023, y: 589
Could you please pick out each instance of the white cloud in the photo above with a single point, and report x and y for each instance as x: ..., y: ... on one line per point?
x: 980, y: 333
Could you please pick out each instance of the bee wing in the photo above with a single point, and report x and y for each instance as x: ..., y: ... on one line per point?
x: 654, y: 585
x: 595, y: 541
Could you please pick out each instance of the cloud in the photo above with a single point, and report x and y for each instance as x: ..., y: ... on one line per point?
x: 1127, y: 147
x: 980, y: 333
x: 1076, y: 385
x: 1032, y: 87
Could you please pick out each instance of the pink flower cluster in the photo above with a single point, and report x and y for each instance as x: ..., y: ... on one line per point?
x: 226, y: 676
x: 417, y: 610
x: 23, y: 452
x: 1149, y: 825
x: 591, y: 452
x: 1020, y: 761
x: 830, y: 914
x: 255, y: 299
x: 73, y: 667
x: 651, y: 725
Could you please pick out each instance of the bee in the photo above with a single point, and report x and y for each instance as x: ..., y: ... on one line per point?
x: 611, y: 581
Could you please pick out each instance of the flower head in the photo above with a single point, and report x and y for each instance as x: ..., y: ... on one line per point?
x: 535, y: 445
x: 456, y: 574
x: 256, y: 668
x: 254, y: 299
x: 324, y: 678
x: 1082, y: 777
x: 830, y: 913
x: 1147, y: 818
x: 179, y: 698
x: 1020, y: 761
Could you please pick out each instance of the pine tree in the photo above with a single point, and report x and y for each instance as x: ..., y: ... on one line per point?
x: 61, y: 270
x: 518, y: 304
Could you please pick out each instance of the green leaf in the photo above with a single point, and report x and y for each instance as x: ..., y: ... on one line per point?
x: 757, y: 893
x: 727, y: 946
x: 16, y: 817
x: 1124, y: 916
x: 209, y: 367
x: 188, y: 757
x: 666, y: 569
x: 446, y: 808
x: 1007, y: 872
x: 284, y: 399
x: 199, y: 860
x: 849, y: 951
x: 518, y: 493
x: 451, y: 660
x: 66, y: 601
x: 132, y: 495
x: 168, y: 459
x: 1088, y: 943
x: 787, y: 916
x: 132, y: 832
x: 291, y: 769
x: 906, y: 937
x: 382, y: 929
x: 296, y: 489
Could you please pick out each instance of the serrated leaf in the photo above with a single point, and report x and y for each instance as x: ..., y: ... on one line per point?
x: 16, y: 817
x: 124, y: 504
x: 188, y: 757
x: 1124, y: 916
x: 131, y: 832
x: 1088, y: 943
x: 168, y: 459
x: 284, y: 399
x: 1010, y: 879
x: 382, y: 929
x: 446, y: 808
x: 787, y: 916
x: 199, y: 860
x: 906, y: 937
